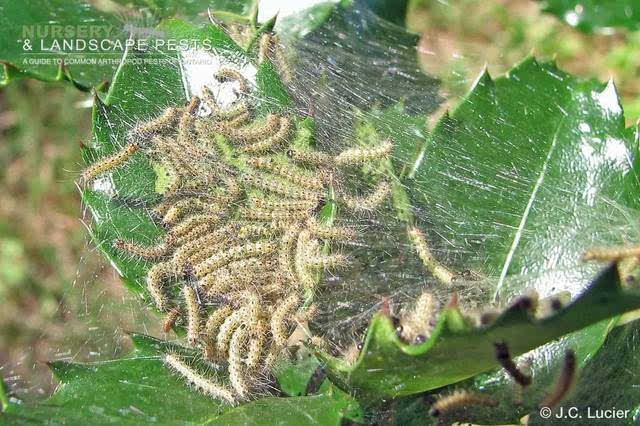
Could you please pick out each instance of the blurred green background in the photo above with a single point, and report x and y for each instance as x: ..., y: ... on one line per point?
x: 60, y: 298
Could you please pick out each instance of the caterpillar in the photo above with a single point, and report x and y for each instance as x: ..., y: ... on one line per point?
x: 171, y: 319
x: 287, y: 244
x: 304, y: 276
x: 200, y: 382
x: 439, y: 271
x: 234, y: 253
x: 254, y: 134
x: 356, y: 156
x: 504, y: 358
x: 415, y: 326
x: 257, y: 344
x: 269, y: 183
x: 194, y: 320
x: 368, y: 202
x: 460, y: 399
x: 279, y: 317
x: 612, y: 254
x: 237, y: 373
x: 211, y: 329
x: 110, y: 163
x: 169, y: 117
x: 179, y: 209
x: 185, y: 127
x: 238, y: 109
x: 309, y: 157
x: 153, y: 252
x: 290, y: 173
x: 231, y: 74
x: 283, y: 133
x: 274, y: 215
x: 155, y: 284
x: 563, y: 386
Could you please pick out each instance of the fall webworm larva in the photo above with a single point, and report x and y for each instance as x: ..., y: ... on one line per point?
x: 110, y: 162
x: 169, y: 117
x: 264, y: 50
x: 309, y: 157
x: 200, y: 382
x: 272, y: 184
x: 302, y: 252
x: 212, y: 327
x: 368, y: 202
x: 504, y: 358
x: 256, y: 344
x: 252, y: 134
x: 460, y: 399
x: 612, y: 254
x: 187, y: 225
x: 231, y: 74
x: 155, y: 284
x: 287, y: 244
x: 237, y: 373
x: 439, y: 271
x: 564, y: 383
x: 283, y: 133
x: 227, y: 328
x: 290, y: 173
x: 239, y: 108
x: 247, y: 250
x: 356, y: 156
x: 261, y: 203
x: 271, y: 215
x: 416, y: 324
x: 194, y: 314
x: 173, y: 215
x: 185, y: 127
x: 279, y: 319
x: 152, y: 252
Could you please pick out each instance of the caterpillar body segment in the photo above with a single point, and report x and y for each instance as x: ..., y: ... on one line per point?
x: 166, y: 120
x: 152, y: 252
x: 439, y: 271
x: 156, y: 278
x: 226, y: 74
x: 110, y: 163
x: 283, y: 134
x: 368, y: 202
x: 199, y: 381
x: 357, y: 156
x: 458, y: 400
x: 279, y: 320
x: 290, y: 173
x: 194, y: 315
x: 272, y: 184
x: 234, y: 253
x: 237, y: 368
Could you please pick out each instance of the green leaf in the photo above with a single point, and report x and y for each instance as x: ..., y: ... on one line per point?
x: 140, y: 389
x: 457, y: 350
x: 30, y: 29
x: 595, y: 15
x: 529, y: 172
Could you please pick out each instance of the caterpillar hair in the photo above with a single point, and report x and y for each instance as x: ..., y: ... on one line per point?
x: 171, y: 319
x: 212, y: 328
x: 109, y: 163
x: 309, y: 157
x: 237, y: 373
x: 199, y: 381
x: 194, y: 314
x: 439, y: 271
x: 563, y: 386
x: 269, y: 183
x: 415, y: 327
x: 284, y: 132
x: 257, y: 344
x: 460, y: 399
x: 368, y: 202
x: 230, y: 74
x: 263, y: 247
x: 291, y: 173
x: 279, y: 319
x: 153, y: 252
x: 504, y: 358
x: 356, y: 156
x: 168, y: 119
x: 612, y: 254
x: 285, y: 256
x: 155, y: 284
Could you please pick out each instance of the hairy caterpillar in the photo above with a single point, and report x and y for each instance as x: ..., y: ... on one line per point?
x: 257, y: 344
x: 194, y: 319
x: 231, y: 74
x: 169, y: 117
x: 612, y: 254
x: 234, y: 253
x: 155, y: 284
x: 368, y: 202
x: 356, y: 156
x: 439, y: 271
x: 237, y: 372
x: 309, y: 157
x: 290, y: 173
x: 274, y: 215
x: 160, y: 250
x: 171, y: 319
x: 212, y: 327
x: 238, y: 109
x: 205, y: 385
x: 268, y: 204
x: 287, y: 244
x: 110, y: 163
x: 564, y: 383
x: 254, y: 134
x: 281, y: 135
x: 504, y: 358
x: 279, y: 317
x: 269, y: 183
x: 416, y: 325
x: 460, y: 399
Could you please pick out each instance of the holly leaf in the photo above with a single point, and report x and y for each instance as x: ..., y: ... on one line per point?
x: 139, y: 388
x: 596, y: 16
